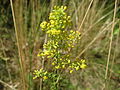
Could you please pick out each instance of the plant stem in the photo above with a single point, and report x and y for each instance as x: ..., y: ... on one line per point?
x: 17, y: 17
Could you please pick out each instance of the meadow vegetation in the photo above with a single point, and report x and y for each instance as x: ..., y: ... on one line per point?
x: 59, y: 45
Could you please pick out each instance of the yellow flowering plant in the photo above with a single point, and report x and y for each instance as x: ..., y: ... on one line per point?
x: 60, y: 42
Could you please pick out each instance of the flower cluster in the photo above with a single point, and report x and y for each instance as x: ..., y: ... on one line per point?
x: 58, y: 20
x: 44, y: 74
x: 60, y: 42
x: 41, y: 73
x: 77, y: 65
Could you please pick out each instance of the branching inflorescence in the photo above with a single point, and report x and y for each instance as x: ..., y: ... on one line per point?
x: 60, y: 41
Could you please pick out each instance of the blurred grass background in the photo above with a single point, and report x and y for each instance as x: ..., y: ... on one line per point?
x: 21, y: 38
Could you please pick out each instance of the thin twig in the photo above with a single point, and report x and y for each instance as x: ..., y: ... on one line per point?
x: 114, y: 55
x: 110, y: 47
x: 111, y: 38
x: 7, y: 85
x: 85, y: 14
x: 43, y: 61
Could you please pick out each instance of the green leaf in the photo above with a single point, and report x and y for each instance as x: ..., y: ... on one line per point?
x: 116, y: 31
x: 4, y: 58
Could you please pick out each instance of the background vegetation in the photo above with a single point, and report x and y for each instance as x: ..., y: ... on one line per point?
x: 21, y: 38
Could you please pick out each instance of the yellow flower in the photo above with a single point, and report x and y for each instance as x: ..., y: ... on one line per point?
x: 47, y: 52
x: 45, y: 77
x: 43, y: 24
x: 63, y: 26
x: 65, y: 7
x: 68, y: 61
x: 69, y: 17
x: 41, y: 69
x: 55, y: 7
x: 52, y: 21
x: 45, y: 73
x: 78, y: 32
x: 60, y: 58
x: 57, y: 67
x: 35, y: 77
x: 72, y: 46
x: 53, y: 63
x: 63, y: 66
x: 83, y: 66
x: 69, y: 45
x: 64, y: 21
x: 83, y: 61
x: 38, y: 55
x: 77, y: 68
x: 54, y: 32
x: 68, y: 55
x: 71, y: 71
x: 62, y: 7
x: 71, y: 31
